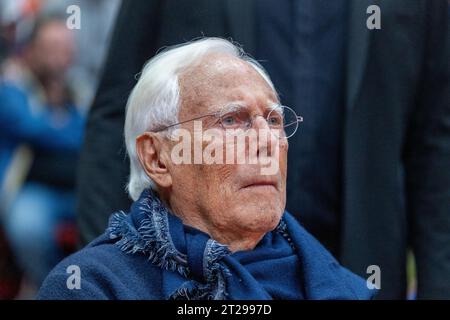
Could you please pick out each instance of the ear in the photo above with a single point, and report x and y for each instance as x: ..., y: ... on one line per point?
x: 150, y: 150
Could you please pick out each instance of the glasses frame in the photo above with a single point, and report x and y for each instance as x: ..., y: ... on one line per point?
x: 220, y: 114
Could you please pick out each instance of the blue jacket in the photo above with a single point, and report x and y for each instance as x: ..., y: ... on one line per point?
x: 149, y: 254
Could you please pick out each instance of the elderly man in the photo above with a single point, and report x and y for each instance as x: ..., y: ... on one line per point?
x: 212, y: 226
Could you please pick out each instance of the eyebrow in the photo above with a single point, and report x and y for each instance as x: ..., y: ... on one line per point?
x: 237, y: 106
x: 232, y: 107
x: 273, y: 106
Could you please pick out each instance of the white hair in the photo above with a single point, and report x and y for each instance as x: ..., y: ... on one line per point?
x: 155, y: 99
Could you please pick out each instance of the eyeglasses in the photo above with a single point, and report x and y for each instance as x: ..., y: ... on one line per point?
x: 282, y: 120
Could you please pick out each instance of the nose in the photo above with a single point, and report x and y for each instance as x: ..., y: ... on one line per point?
x: 259, y: 122
x: 267, y: 140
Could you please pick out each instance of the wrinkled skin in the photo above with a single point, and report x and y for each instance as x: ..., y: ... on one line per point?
x: 234, y: 203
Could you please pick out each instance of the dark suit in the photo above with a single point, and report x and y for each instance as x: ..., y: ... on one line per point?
x: 396, y: 148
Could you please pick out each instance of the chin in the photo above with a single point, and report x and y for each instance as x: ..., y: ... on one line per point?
x: 256, y: 211
x: 261, y: 221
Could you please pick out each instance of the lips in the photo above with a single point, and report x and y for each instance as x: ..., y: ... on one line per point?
x: 263, y: 182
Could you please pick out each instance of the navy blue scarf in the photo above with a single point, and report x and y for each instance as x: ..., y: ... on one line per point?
x: 287, y: 263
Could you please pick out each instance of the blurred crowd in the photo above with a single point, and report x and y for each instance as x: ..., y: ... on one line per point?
x: 49, y: 75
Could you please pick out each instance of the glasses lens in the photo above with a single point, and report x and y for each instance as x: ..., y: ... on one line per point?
x: 289, y: 121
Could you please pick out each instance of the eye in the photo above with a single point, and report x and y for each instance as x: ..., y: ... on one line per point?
x: 275, y: 120
x: 235, y: 120
x: 229, y: 120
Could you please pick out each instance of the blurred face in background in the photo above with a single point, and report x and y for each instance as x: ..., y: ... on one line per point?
x: 51, y: 52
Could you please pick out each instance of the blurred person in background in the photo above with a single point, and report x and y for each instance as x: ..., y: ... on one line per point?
x: 9, y: 273
x: 92, y: 39
x: 368, y: 172
x: 10, y: 11
x: 17, y: 18
x: 40, y: 135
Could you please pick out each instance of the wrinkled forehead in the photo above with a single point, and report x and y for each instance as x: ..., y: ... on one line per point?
x: 220, y: 79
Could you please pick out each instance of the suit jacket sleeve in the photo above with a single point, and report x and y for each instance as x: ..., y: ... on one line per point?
x: 427, y: 160
x: 103, y: 165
